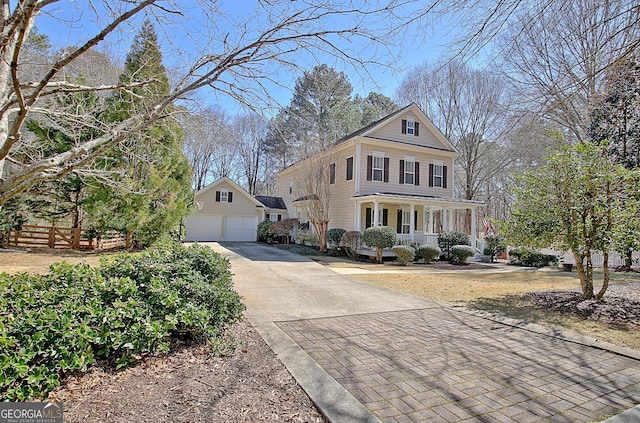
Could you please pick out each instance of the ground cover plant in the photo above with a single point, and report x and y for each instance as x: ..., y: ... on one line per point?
x: 61, y: 323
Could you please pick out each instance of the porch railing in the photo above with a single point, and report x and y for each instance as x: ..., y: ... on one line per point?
x: 422, y: 239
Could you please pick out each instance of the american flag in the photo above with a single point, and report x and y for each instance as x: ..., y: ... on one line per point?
x: 488, y: 230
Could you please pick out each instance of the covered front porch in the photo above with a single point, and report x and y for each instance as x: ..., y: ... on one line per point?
x: 417, y: 219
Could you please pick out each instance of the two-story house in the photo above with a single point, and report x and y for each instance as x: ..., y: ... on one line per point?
x: 396, y: 172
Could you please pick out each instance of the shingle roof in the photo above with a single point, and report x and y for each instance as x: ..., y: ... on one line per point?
x: 272, y: 202
x: 371, y: 125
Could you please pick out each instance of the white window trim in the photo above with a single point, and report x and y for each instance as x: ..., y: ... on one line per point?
x: 224, y: 195
x: 411, y: 126
x: 406, y: 221
x: 438, y: 177
x: 412, y: 172
x: 374, y: 168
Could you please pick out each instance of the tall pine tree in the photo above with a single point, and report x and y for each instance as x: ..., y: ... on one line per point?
x: 153, y: 189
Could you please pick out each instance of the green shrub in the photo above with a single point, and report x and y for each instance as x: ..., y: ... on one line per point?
x: 352, y: 242
x: 60, y: 323
x: 495, y: 246
x: 264, y: 235
x: 531, y: 258
x: 448, y: 239
x: 460, y: 253
x: 380, y: 237
x: 404, y: 253
x: 334, y: 237
x: 428, y: 253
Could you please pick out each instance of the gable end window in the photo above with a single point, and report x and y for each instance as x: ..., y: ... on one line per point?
x: 437, y: 175
x: 349, y: 168
x: 378, y: 168
x: 410, y: 127
x: 224, y: 196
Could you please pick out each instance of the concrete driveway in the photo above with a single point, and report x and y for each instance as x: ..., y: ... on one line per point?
x: 366, y: 354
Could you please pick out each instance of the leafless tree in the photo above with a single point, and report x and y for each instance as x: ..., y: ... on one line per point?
x: 469, y: 107
x: 233, y: 52
x: 208, y: 145
x: 312, y: 181
x: 250, y: 132
x: 556, y: 56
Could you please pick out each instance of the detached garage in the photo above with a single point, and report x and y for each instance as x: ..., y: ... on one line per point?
x: 224, y: 212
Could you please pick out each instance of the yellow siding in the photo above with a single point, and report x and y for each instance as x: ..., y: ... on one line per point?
x: 394, y: 186
x: 393, y: 131
x: 240, y: 206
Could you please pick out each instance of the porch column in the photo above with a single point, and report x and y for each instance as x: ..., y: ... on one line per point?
x: 429, y: 228
x: 474, y: 230
x: 412, y: 220
x: 445, y: 219
x: 264, y: 215
x: 376, y: 214
x: 358, y: 218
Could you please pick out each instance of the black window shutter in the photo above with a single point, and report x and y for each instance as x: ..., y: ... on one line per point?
x: 367, y: 218
x: 217, y: 196
x: 349, y: 168
x: 267, y: 216
x: 416, y: 176
x: 399, y: 222
x: 332, y: 173
x: 404, y: 126
x: 230, y: 197
x: 385, y: 217
x: 444, y: 176
x: 430, y: 174
x: 401, y: 180
x: 416, y: 128
x: 415, y: 220
x: 369, y: 168
x: 386, y: 169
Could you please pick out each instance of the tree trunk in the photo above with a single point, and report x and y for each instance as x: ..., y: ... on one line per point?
x: 605, y: 276
x: 585, y: 274
x: 321, y: 232
x: 628, y: 260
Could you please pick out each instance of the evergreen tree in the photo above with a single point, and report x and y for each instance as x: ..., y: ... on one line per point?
x: 615, y: 119
x: 153, y: 190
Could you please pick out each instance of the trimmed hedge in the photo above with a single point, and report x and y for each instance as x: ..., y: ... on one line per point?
x: 460, y: 253
x: 428, y: 253
x: 404, y: 253
x: 61, y: 323
x: 380, y: 237
x: 447, y: 239
x: 531, y: 258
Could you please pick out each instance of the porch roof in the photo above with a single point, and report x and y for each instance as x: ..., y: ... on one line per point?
x: 423, y: 200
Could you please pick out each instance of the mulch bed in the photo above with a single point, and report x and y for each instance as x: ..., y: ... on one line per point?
x: 192, y: 385
x: 620, y: 305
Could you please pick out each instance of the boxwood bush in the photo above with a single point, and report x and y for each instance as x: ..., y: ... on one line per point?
x: 460, y: 253
x: 531, y: 258
x: 404, y: 253
x: 448, y: 239
x: 61, y: 323
x: 380, y: 237
x: 427, y: 253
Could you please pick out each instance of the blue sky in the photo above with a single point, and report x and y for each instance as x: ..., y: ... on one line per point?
x: 69, y: 22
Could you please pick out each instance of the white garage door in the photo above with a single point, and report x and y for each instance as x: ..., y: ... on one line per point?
x: 240, y: 228
x: 203, y: 227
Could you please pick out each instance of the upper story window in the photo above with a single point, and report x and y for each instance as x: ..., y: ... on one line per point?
x: 378, y: 167
x: 437, y: 175
x: 409, y: 172
x: 224, y: 196
x: 410, y: 127
x: 349, y: 168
